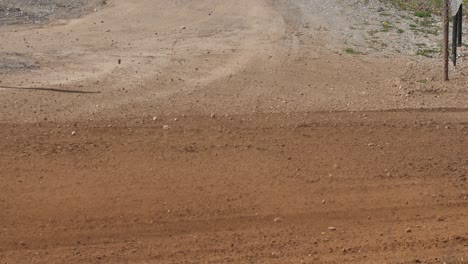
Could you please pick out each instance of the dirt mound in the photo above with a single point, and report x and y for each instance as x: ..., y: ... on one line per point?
x: 27, y: 11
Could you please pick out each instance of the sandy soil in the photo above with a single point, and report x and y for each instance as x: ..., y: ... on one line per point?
x: 206, y: 57
x: 230, y: 132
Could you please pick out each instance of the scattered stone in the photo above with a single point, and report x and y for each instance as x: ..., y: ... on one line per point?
x: 440, y: 218
x: 183, y: 27
x: 213, y: 115
x: 73, y: 133
x: 165, y: 127
x: 324, y: 201
x: 22, y: 243
x: 276, y: 220
x: 155, y: 118
x: 331, y: 228
x: 408, y: 230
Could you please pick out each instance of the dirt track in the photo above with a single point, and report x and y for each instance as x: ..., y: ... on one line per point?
x: 231, y: 132
x: 203, y: 57
x: 263, y: 189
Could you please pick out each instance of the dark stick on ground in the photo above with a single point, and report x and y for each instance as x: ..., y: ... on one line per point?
x: 49, y: 89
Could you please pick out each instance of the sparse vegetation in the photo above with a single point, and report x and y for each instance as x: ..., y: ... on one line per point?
x: 422, y: 14
x: 427, y: 52
x: 421, y: 8
x: 352, y: 51
x: 425, y: 25
x: 386, y: 26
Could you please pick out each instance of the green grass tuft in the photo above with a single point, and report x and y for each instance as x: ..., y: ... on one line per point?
x: 352, y: 51
x: 422, y: 13
x: 427, y: 52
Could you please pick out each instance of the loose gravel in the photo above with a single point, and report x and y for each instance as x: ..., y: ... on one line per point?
x: 40, y: 11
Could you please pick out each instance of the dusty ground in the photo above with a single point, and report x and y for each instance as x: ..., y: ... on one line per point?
x: 230, y: 132
x: 40, y: 11
x: 205, y: 57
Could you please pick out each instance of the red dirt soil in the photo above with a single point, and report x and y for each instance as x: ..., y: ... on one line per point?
x: 242, y: 189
